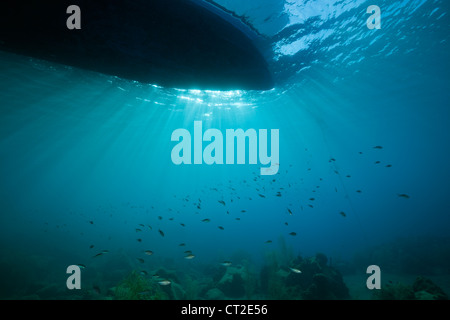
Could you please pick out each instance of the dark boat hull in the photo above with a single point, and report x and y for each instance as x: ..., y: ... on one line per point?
x: 172, y: 43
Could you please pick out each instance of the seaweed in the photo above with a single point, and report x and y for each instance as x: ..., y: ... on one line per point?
x: 136, y: 287
x: 315, y: 280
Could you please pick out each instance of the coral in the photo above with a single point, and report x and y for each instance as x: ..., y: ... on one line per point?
x: 423, y: 286
x: 214, y: 271
x: 327, y: 285
x: 215, y: 294
x: 422, y: 289
x: 232, y: 283
x: 321, y: 259
x: 423, y: 295
x: 396, y: 291
x: 277, y: 290
x: 316, y: 280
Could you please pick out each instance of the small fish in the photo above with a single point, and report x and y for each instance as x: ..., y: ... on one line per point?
x: 310, y: 205
x: 359, y: 191
x: 342, y: 213
x: 377, y: 162
x: 220, y: 227
x: 159, y: 217
x: 295, y: 270
x: 226, y: 263
x: 91, y: 222
x: 332, y: 160
x: 82, y: 266
x: 182, y: 244
x: 141, y: 225
x: 150, y: 227
x: 189, y: 257
x: 170, y: 219
x: 140, y: 260
x: 206, y: 220
x: 312, y: 199
x: 138, y: 230
x: 164, y: 283
x: 243, y: 211
x: 378, y: 147
x: 139, y: 240
x: 237, y: 219
x: 286, y: 223
x: 290, y: 212
x: 161, y: 233
x: 188, y: 252
x: 105, y: 251
x: 91, y: 246
x: 388, y: 165
x: 98, y: 255
x: 293, y: 234
x: 221, y: 201
x: 182, y: 224
x: 148, y: 252
x: 403, y: 195
x: 268, y: 241
x: 261, y: 195
x: 348, y: 176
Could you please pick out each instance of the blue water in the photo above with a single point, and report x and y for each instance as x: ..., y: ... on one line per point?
x: 78, y: 147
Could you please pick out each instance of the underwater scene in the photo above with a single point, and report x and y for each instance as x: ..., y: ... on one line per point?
x: 225, y: 150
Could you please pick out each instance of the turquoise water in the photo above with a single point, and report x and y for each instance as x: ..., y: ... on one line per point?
x: 85, y: 157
